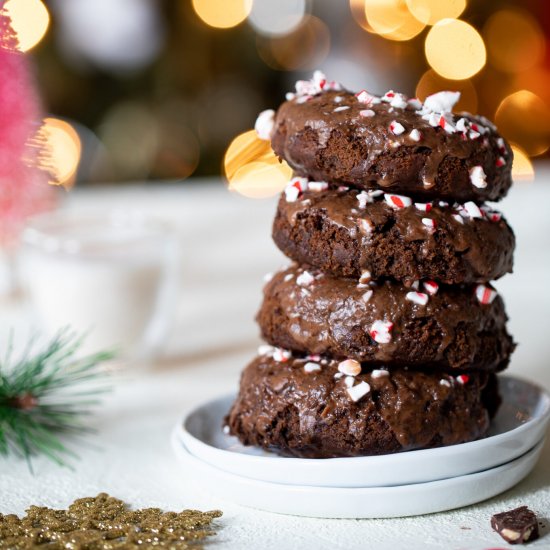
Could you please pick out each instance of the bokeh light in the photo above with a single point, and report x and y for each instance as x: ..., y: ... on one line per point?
x: 276, y: 18
x: 63, y: 148
x: 222, y: 14
x: 430, y: 12
x: 252, y: 169
x: 522, y: 167
x: 430, y: 83
x: 524, y: 119
x: 391, y: 19
x: 455, y: 49
x: 515, y: 40
x: 305, y: 48
x: 30, y: 20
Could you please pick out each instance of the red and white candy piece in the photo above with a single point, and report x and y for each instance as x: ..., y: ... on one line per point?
x: 265, y: 349
x: 364, y: 97
x: 415, y: 135
x: 462, y: 379
x: 423, y: 206
x: 446, y: 125
x: 397, y: 128
x: 365, y: 226
x: 444, y: 382
x: 478, y: 177
x: 485, y: 294
x: 305, y: 278
x: 415, y: 103
x: 342, y: 108
x: 310, y: 366
x: 317, y: 186
x: 313, y: 357
x: 349, y: 367
x: 359, y: 391
x: 419, y: 298
x: 500, y: 162
x: 458, y: 218
x: 429, y: 223
x: 415, y: 285
x: 367, y: 296
x: 295, y: 188
x: 441, y: 102
x: 471, y: 209
x: 397, y: 201
x: 431, y: 287
x: 399, y: 101
x: 380, y: 331
x: 264, y: 124
x: 281, y: 355
x: 501, y: 146
x: 368, y: 113
x: 379, y: 373
x: 349, y: 381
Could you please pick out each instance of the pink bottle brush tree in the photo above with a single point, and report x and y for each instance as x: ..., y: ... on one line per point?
x: 24, y: 176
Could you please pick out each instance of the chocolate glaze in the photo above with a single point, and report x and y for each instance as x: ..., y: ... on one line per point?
x: 330, y: 316
x: 347, y: 148
x: 324, y: 229
x: 282, y: 407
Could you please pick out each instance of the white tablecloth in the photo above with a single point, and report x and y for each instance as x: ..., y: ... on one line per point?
x: 226, y: 251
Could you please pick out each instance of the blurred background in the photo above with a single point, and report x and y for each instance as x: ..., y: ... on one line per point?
x: 157, y: 89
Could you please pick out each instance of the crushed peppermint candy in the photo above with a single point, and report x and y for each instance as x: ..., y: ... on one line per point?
x: 312, y: 367
x: 364, y: 97
x: 500, y: 162
x: 429, y: 223
x: 317, y: 186
x: 365, y: 226
x: 471, y: 210
x: 478, y: 177
x: 367, y: 197
x: 444, y: 382
x: 365, y: 277
x: 397, y: 201
x: 485, y: 294
x: 367, y: 113
x: 379, y: 373
x: 338, y: 375
x: 415, y: 135
x: 423, y: 206
x: 458, y: 218
x: 359, y: 391
x: 281, y: 355
x: 342, y: 108
x: 306, y: 89
x: 295, y: 188
x: 415, y: 285
x: 313, y: 357
x: 349, y: 381
x: 380, y: 331
x: 267, y: 277
x: 265, y: 349
x: 396, y: 128
x: 419, y: 298
x: 431, y: 287
x: 349, y: 367
x: 441, y: 102
x: 264, y: 124
x: 415, y: 103
x: 305, y: 278
x: 288, y: 277
x: 367, y: 296
x: 462, y: 379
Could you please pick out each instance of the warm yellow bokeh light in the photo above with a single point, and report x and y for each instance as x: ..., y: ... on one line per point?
x: 524, y: 118
x: 391, y: 19
x: 430, y: 12
x: 515, y: 40
x: 63, y: 149
x: 252, y: 168
x: 455, y: 49
x: 430, y: 83
x: 222, y: 14
x: 522, y: 167
x: 30, y: 21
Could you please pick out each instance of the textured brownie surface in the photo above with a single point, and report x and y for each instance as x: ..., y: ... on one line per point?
x: 336, y: 232
x: 306, y: 408
x: 309, y: 312
x: 328, y: 139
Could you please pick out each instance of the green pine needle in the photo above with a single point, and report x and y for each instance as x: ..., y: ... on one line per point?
x: 45, y: 395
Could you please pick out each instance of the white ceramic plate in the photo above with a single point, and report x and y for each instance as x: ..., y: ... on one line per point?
x: 369, y: 502
x: 519, y: 425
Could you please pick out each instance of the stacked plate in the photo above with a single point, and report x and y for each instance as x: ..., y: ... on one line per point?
x: 404, y: 484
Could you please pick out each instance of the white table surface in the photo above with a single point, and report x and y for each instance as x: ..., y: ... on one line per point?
x: 227, y: 249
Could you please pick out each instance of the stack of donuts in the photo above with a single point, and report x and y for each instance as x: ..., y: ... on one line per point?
x: 385, y: 334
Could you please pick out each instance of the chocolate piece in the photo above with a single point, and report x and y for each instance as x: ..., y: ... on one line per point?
x: 516, y: 526
x: 318, y: 413
x: 385, y: 323
x: 340, y: 234
x: 328, y: 139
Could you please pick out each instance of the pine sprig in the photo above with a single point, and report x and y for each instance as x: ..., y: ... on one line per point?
x: 46, y: 394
